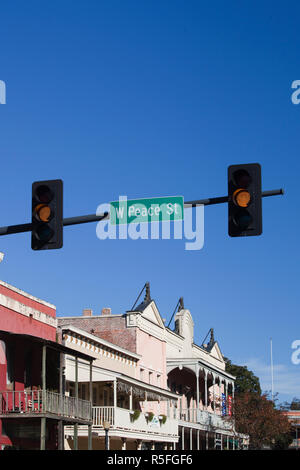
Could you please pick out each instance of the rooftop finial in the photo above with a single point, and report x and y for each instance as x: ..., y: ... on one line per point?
x: 147, y: 292
x: 181, y: 304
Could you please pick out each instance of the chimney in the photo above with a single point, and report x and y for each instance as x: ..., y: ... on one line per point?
x: 106, y: 311
x: 87, y: 312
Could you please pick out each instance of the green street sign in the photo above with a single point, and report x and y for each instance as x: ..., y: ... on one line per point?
x: 146, y: 210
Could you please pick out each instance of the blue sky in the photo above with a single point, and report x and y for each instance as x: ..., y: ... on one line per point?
x: 154, y: 99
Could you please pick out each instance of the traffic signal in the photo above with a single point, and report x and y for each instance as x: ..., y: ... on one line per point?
x: 47, y: 215
x: 244, y: 200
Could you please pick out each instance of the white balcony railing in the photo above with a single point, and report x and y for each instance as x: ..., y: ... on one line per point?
x: 121, y: 418
x: 205, y: 418
x: 39, y: 401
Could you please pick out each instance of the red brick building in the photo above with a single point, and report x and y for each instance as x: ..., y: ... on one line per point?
x: 33, y: 408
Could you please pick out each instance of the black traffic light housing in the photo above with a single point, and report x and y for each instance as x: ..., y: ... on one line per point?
x: 47, y: 215
x: 244, y: 200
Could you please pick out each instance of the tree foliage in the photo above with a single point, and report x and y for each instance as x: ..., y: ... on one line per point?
x: 245, y: 381
x: 254, y: 414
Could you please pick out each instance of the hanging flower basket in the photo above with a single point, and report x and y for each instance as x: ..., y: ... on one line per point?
x: 135, y: 414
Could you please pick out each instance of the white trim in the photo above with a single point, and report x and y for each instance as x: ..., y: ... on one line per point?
x: 27, y: 311
x: 25, y: 294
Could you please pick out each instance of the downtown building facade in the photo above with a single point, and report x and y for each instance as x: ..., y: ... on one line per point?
x: 70, y: 382
x: 34, y: 408
x: 152, y: 387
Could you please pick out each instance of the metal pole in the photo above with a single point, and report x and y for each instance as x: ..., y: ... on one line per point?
x: 83, y: 219
x: 272, y: 370
x: 43, y: 434
x: 222, y: 199
x: 106, y: 440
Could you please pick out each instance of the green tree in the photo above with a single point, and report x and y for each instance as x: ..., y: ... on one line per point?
x: 245, y: 381
x: 295, y: 405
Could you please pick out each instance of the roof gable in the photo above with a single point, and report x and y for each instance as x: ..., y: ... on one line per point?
x: 152, y: 314
x: 216, y: 352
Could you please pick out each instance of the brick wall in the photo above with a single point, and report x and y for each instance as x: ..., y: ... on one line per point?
x: 111, y: 328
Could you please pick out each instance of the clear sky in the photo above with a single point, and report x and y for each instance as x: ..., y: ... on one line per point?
x: 154, y: 99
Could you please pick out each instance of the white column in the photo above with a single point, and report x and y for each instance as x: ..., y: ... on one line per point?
x: 123, y: 443
x: 191, y: 439
x: 197, y: 387
x: 214, y: 401
x: 182, y: 438
x: 130, y: 398
x: 220, y: 394
x: 115, y: 393
x: 198, y: 442
x: 205, y: 387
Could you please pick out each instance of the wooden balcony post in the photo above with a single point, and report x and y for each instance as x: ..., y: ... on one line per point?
x: 115, y: 393
x: 197, y: 386
x: 44, y: 382
x: 76, y: 404
x: 61, y: 411
x: 90, y: 443
x: 43, y: 434
x: 205, y: 388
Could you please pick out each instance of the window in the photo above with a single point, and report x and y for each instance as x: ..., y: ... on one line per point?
x: 105, y: 397
x: 71, y: 390
x: 150, y: 377
x: 94, y: 395
x: 142, y: 374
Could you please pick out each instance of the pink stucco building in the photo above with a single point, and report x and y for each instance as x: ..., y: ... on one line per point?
x: 154, y: 386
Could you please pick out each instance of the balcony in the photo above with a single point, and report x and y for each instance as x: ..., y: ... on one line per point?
x: 35, y: 403
x: 123, y: 424
x: 205, y: 418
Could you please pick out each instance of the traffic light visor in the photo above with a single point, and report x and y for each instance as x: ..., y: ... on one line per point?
x: 44, y: 193
x: 242, y: 178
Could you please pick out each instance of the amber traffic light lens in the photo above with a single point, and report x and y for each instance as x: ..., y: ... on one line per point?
x: 242, y: 178
x: 241, y: 198
x: 44, y: 194
x: 43, y: 212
